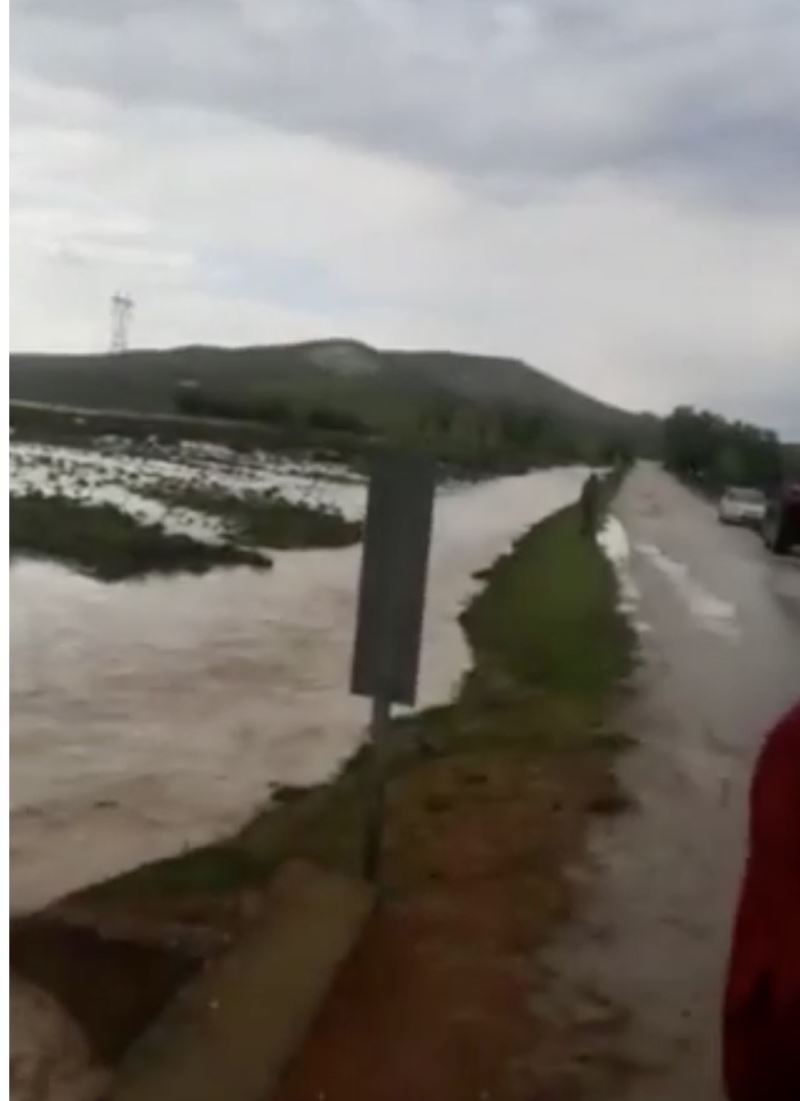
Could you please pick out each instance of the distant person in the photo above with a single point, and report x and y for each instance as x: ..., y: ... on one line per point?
x: 762, y: 999
x: 590, y: 503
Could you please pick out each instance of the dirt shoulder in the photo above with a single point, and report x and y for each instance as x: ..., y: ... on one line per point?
x: 439, y: 1001
x: 489, y: 804
x: 445, y: 998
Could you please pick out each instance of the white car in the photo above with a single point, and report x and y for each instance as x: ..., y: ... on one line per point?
x: 741, y: 505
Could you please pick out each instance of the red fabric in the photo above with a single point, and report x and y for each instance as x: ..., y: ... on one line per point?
x: 762, y: 999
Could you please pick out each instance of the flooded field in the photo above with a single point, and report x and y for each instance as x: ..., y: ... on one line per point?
x: 157, y: 714
x: 134, y: 478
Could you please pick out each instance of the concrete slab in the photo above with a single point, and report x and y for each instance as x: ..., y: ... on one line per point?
x: 231, y: 1030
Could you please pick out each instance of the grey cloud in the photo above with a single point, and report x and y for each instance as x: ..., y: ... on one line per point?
x: 703, y: 97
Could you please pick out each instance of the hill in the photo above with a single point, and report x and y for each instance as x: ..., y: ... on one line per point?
x: 512, y: 382
x: 146, y: 381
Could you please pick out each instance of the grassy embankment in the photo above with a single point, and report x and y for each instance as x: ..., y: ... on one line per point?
x: 111, y: 545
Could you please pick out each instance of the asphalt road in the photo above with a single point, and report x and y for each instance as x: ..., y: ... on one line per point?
x: 719, y: 623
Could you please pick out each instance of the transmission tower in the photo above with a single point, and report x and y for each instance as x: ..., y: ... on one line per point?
x: 121, y: 310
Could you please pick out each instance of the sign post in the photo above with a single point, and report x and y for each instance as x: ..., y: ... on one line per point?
x: 391, y: 606
x: 376, y: 788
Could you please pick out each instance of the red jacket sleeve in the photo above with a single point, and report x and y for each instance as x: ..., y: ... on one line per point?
x: 762, y: 1004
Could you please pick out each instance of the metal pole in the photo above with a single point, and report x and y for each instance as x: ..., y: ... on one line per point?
x: 376, y: 789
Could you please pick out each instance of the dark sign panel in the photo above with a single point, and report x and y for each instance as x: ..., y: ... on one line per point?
x: 393, y: 574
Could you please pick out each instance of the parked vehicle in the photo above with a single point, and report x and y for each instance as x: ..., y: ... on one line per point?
x: 781, y: 526
x: 742, y: 505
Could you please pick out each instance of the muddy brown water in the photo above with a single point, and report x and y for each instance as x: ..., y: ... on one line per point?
x: 152, y: 715
x: 110, y: 987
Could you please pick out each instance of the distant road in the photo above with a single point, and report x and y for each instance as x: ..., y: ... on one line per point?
x: 132, y: 415
x: 720, y: 644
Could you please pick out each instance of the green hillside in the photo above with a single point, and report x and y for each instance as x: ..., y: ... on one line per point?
x: 511, y: 381
x: 146, y: 380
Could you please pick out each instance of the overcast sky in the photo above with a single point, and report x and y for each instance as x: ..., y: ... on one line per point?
x: 609, y: 189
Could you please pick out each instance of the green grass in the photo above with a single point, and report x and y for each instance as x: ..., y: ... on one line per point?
x: 547, y: 616
x: 549, y: 648
x: 108, y: 543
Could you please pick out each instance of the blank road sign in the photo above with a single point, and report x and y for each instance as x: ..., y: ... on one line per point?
x: 394, y: 570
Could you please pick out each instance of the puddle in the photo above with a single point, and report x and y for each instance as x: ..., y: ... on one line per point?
x: 50, y: 1057
x: 78, y: 1000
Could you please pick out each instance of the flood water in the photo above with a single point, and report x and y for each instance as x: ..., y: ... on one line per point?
x: 152, y: 715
